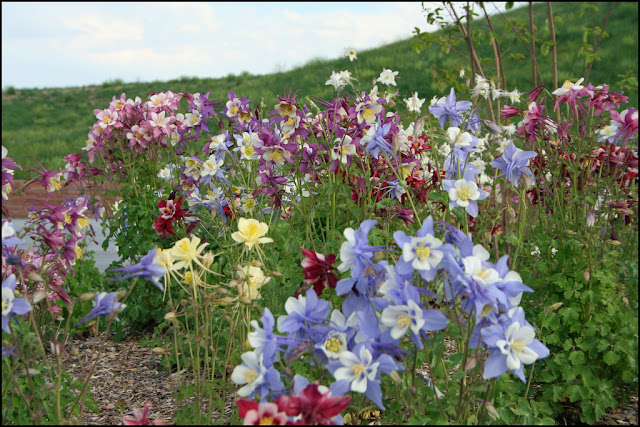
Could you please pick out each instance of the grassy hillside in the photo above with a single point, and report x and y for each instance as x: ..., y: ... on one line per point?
x: 50, y: 123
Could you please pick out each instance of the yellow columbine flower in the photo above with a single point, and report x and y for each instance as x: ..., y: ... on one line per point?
x: 186, y: 251
x: 250, y: 232
x: 251, y: 280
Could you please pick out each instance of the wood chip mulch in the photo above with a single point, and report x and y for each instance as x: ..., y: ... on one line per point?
x: 125, y: 377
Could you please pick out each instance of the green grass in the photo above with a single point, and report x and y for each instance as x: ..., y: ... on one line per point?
x: 48, y: 124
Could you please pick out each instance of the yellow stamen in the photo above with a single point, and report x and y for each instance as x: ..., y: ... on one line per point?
x: 334, y: 344
x: 403, y: 320
x: 423, y: 251
x: 464, y: 193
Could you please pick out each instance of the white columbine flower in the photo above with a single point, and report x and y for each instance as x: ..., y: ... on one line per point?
x: 342, y: 149
x: 514, y: 96
x: 388, y: 77
x: 335, y: 344
x: 463, y: 191
x: 351, y: 54
x: 458, y: 139
x: 414, y: 103
x: 193, y: 118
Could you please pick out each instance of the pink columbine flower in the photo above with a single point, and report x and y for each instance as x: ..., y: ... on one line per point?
x: 107, y: 119
x: 159, y: 123
x: 254, y: 413
x: 629, y: 121
x: 140, y: 417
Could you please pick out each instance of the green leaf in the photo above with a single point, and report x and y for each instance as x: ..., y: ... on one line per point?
x: 512, y: 239
x: 544, y: 49
x: 455, y: 359
x: 574, y: 392
x: 610, y: 358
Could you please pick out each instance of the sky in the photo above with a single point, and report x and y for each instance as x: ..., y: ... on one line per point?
x: 46, y: 45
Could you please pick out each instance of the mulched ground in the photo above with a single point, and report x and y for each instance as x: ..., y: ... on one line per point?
x: 128, y: 374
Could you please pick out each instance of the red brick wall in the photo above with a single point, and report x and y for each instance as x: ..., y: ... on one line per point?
x: 17, y: 205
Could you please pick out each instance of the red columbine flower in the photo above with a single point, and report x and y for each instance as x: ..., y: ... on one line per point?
x: 171, y: 209
x: 318, y: 270
x: 316, y: 408
x: 163, y: 227
x: 254, y: 413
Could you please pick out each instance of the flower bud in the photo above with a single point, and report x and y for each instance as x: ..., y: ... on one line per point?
x: 395, y: 377
x: 170, y: 316
x: 587, y: 275
x: 39, y: 296
x: 56, y: 348
x: 244, y: 299
x: 471, y: 363
x: 159, y: 350
x: 225, y: 301
x: 35, y: 277
x: 491, y: 411
x: 207, y: 259
x: 87, y: 296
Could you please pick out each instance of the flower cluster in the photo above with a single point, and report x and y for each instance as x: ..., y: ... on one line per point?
x: 384, y: 304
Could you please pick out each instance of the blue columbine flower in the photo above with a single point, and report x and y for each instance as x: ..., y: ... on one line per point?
x: 255, y: 376
x: 421, y: 253
x: 12, y: 306
x: 362, y: 372
x: 448, y: 111
x: 464, y: 193
x: 104, y: 305
x: 9, y: 237
x: 147, y: 268
x: 355, y: 254
x: 512, y: 345
x: 514, y: 162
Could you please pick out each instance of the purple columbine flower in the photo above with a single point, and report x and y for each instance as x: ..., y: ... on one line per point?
x: 514, y: 162
x: 421, y: 253
x: 377, y: 143
x: 448, y: 111
x: 12, y: 306
x: 104, y: 305
x: 147, y: 268
x: 304, y: 309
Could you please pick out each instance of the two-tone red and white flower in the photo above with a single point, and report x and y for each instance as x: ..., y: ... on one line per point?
x: 319, y: 270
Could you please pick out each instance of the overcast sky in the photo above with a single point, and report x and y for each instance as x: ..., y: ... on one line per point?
x: 76, y: 44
